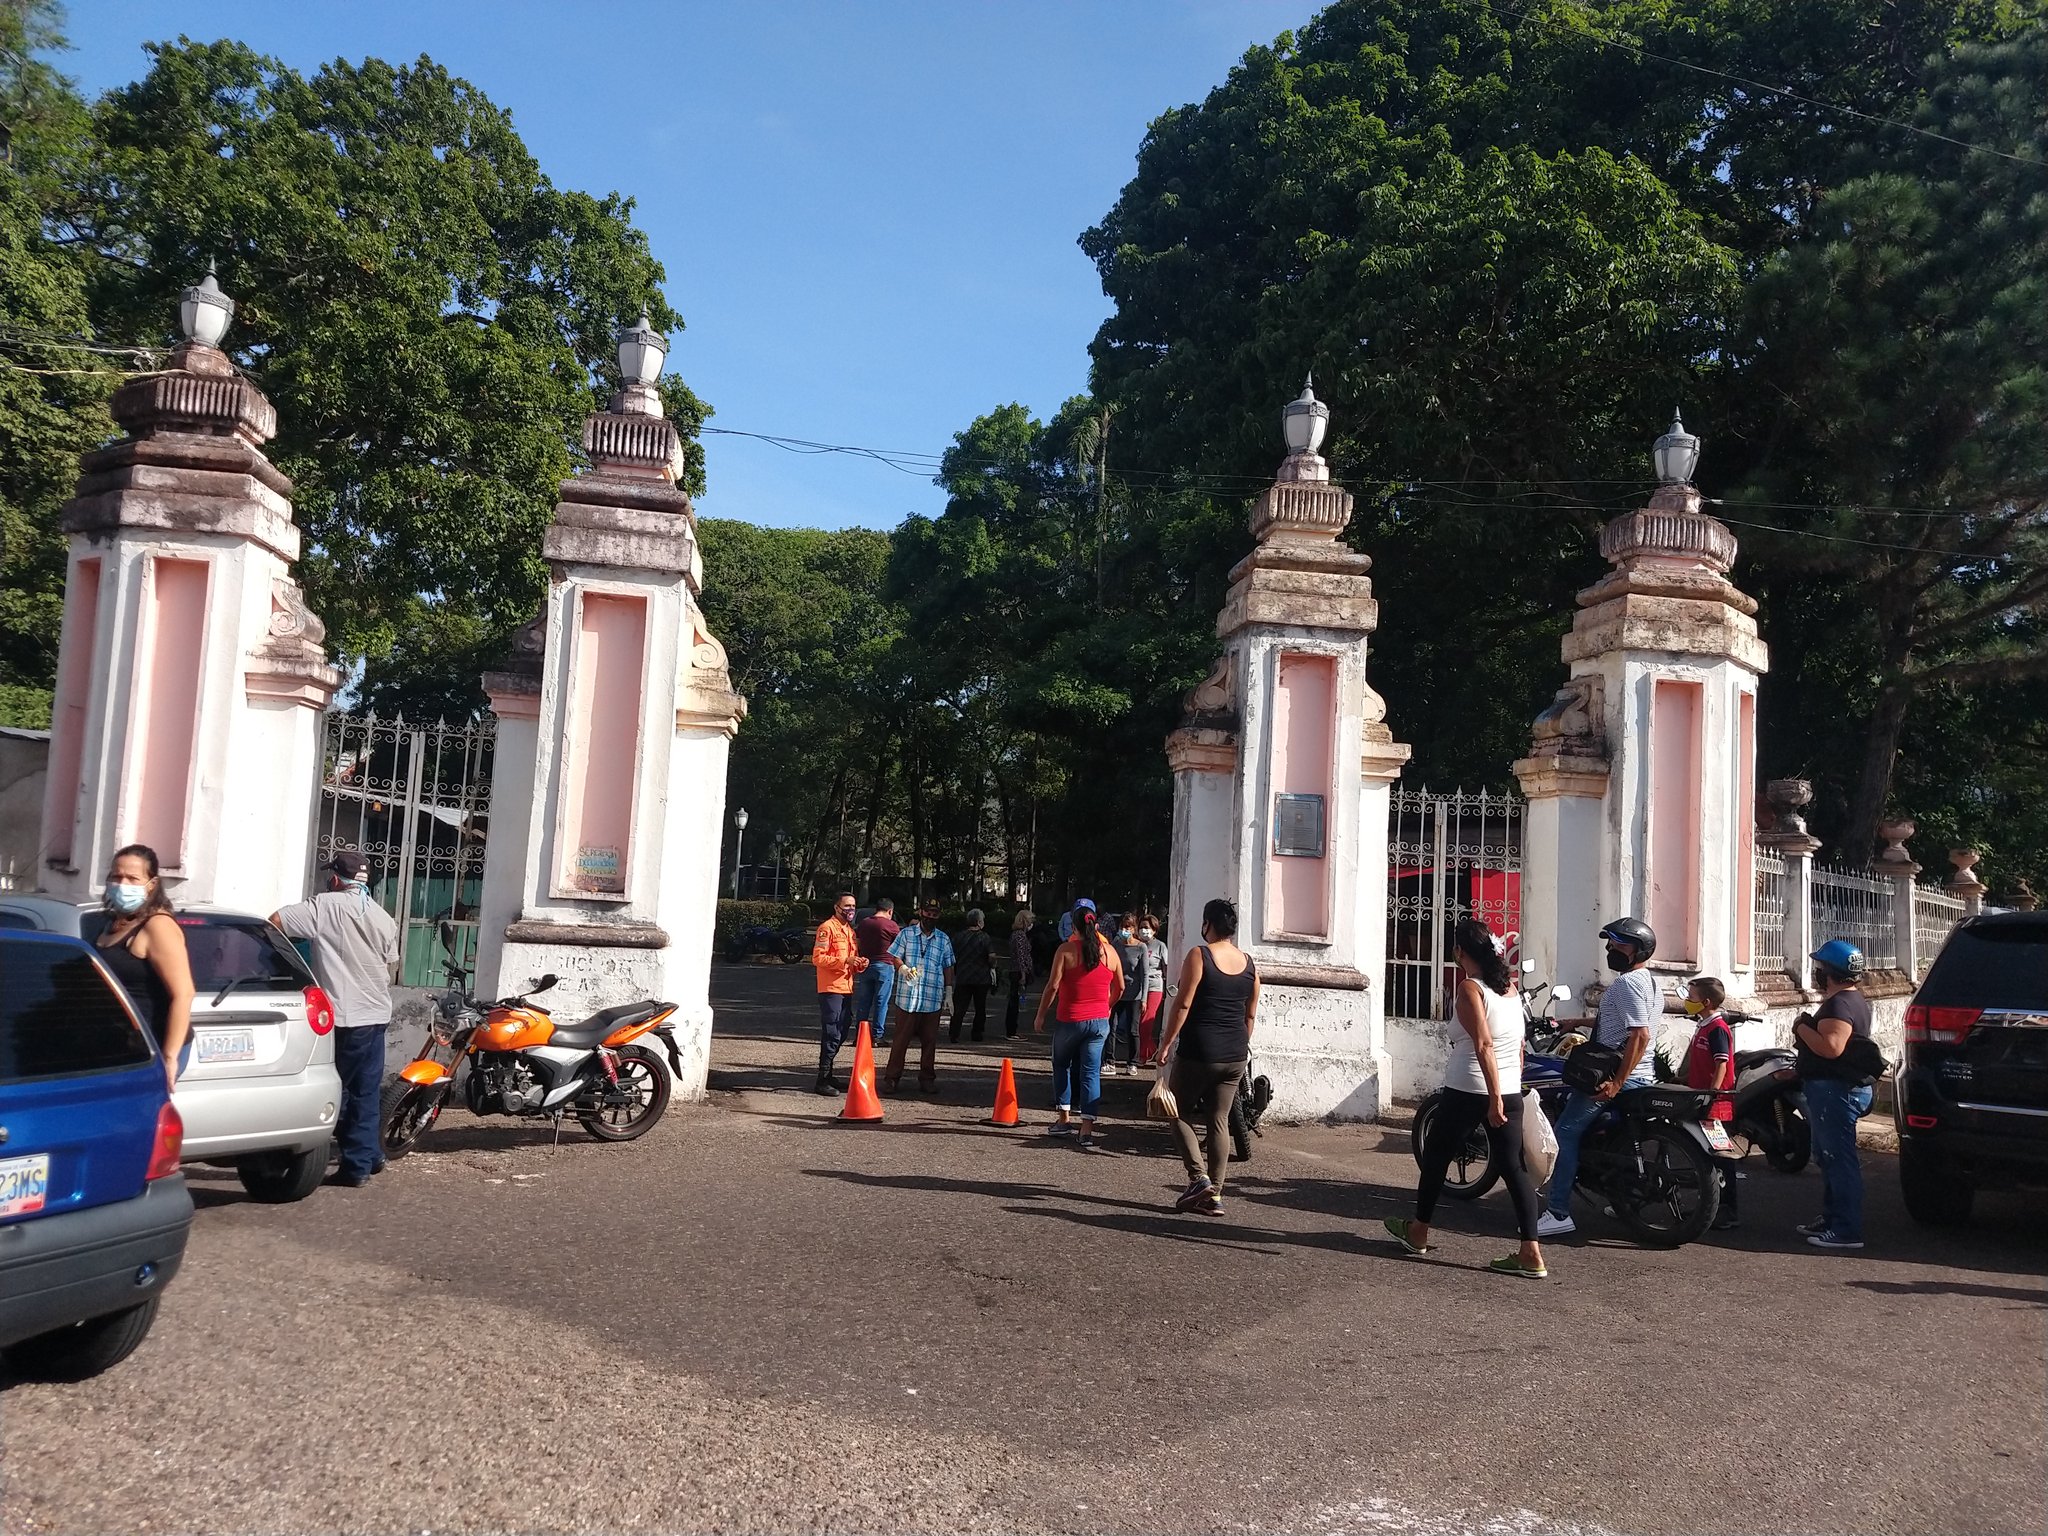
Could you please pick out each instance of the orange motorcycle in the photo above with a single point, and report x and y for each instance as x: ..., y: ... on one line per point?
x: 519, y: 1061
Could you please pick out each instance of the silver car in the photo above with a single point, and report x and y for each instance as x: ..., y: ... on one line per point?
x: 259, y: 1093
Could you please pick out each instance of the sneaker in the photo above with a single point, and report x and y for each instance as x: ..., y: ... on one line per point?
x: 1062, y: 1128
x: 824, y: 1086
x: 1212, y: 1204
x: 1513, y: 1265
x: 1085, y: 1143
x: 1549, y: 1224
x: 1825, y: 1239
x: 1197, y: 1193
x: 1399, y: 1226
x: 1811, y: 1228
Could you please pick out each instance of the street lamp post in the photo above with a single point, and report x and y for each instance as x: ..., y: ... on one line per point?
x: 739, y: 821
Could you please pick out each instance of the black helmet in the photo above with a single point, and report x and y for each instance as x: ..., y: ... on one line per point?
x: 1633, y: 933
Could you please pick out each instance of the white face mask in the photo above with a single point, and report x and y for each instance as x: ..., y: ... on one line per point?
x: 1144, y: 933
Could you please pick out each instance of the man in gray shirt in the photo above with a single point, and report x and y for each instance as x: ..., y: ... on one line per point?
x: 1629, y: 1010
x: 355, y: 958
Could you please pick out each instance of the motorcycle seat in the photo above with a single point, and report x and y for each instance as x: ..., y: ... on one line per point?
x: 1744, y: 1060
x: 593, y: 1030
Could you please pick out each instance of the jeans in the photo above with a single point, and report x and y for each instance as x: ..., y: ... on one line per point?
x: 359, y: 1061
x: 1834, y: 1108
x: 871, y: 991
x: 1077, y: 1066
x: 1125, y: 1031
x: 1580, y: 1111
x: 835, y: 1018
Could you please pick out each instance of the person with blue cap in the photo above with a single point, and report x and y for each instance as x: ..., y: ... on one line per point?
x: 1836, y: 1054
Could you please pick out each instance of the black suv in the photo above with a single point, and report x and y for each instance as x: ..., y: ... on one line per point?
x: 1972, y: 1094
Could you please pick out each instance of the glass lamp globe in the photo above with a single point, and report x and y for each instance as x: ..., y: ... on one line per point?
x: 204, y: 311
x: 642, y: 351
x: 1677, y: 454
x: 1305, y: 421
x: 739, y: 818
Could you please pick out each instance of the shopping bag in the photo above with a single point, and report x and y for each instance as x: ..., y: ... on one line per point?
x: 1539, y: 1141
x: 1160, y: 1103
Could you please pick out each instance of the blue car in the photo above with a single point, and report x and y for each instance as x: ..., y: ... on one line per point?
x: 93, y: 1211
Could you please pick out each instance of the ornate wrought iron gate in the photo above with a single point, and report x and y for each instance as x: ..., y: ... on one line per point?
x: 415, y: 801
x: 1448, y: 856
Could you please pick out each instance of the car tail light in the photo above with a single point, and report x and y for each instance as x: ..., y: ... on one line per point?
x: 170, y: 1141
x: 1940, y: 1026
x: 319, y: 1011
x: 1921, y: 1122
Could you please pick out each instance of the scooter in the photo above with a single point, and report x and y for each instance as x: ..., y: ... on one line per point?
x: 520, y: 1062
x: 1770, y: 1105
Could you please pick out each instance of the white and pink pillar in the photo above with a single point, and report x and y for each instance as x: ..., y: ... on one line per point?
x: 615, y: 717
x: 1282, y: 771
x: 1642, y: 773
x: 191, y: 674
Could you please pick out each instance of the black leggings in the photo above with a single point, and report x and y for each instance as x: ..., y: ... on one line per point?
x: 1457, y: 1112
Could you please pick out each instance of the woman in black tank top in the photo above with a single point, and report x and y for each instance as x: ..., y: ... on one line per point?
x: 1209, y: 1033
x: 144, y: 947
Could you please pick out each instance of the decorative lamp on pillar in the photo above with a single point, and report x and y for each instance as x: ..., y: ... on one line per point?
x: 1304, y: 423
x: 204, y: 312
x: 1677, y: 454
x: 739, y: 822
x: 642, y: 351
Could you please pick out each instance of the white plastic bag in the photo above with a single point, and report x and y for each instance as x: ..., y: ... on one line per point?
x: 1539, y: 1141
x: 1160, y: 1103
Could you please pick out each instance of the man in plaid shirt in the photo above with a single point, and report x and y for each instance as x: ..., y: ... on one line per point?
x: 924, y: 972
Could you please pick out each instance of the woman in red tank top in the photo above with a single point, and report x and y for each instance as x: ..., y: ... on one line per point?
x: 1086, y: 979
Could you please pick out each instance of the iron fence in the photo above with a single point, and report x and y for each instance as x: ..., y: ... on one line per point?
x: 1849, y: 904
x: 415, y: 801
x: 1935, y: 912
x: 1767, y: 932
x: 1449, y: 856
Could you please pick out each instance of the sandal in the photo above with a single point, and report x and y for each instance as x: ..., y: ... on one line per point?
x: 1513, y: 1265
x: 1399, y: 1226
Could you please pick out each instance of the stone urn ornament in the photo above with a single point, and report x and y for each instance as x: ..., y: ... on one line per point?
x: 1895, y: 832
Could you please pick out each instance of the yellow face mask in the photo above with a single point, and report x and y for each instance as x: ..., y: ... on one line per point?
x: 1695, y: 1007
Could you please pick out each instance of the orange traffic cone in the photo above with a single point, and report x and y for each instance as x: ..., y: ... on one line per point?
x: 1006, y: 1097
x: 862, y: 1103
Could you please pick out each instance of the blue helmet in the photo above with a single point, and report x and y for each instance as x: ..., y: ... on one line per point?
x: 1841, y: 957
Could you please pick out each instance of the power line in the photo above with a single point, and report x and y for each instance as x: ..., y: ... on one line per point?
x: 1785, y: 91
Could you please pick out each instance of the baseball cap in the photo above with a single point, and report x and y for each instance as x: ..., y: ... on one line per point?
x: 349, y: 865
x: 1084, y: 905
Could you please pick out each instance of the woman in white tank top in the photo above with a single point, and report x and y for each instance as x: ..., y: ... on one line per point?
x: 1482, y: 1087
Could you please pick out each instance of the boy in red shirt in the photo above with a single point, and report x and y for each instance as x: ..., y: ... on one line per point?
x: 1710, y: 1063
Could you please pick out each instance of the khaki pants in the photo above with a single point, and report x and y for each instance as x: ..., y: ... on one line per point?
x: 1194, y: 1084
x: 924, y: 1028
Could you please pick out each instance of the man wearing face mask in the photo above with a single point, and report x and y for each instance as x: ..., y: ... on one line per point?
x: 355, y: 958
x: 1629, y: 1011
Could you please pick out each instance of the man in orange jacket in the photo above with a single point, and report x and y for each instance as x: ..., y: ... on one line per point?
x: 837, y: 963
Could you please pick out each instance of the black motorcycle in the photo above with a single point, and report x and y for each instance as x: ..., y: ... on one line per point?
x: 789, y: 945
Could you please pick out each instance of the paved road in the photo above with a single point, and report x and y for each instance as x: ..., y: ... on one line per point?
x: 759, y: 1319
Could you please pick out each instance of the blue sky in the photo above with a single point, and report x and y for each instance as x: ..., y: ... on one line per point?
x: 867, y: 211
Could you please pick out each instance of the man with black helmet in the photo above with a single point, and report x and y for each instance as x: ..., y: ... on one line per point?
x: 1629, y: 1010
x: 1836, y: 1056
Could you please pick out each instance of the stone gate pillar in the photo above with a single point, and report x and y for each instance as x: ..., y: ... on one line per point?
x: 615, y: 716
x: 1642, y: 772
x: 1282, y: 770
x: 191, y: 674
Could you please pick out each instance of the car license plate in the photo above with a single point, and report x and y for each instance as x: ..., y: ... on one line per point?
x: 226, y: 1045
x: 1717, y: 1135
x: 24, y: 1184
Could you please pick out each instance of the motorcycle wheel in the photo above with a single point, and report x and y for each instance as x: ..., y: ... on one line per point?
x: 643, y: 1077
x: 1240, y: 1132
x: 795, y: 953
x: 1791, y: 1146
x: 1471, y: 1173
x: 407, y: 1112
x: 1677, y: 1195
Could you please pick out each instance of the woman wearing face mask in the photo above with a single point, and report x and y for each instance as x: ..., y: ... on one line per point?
x: 1156, y: 961
x: 144, y: 947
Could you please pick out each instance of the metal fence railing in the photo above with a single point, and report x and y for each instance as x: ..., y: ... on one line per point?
x: 1853, y: 905
x: 1767, y: 934
x: 1935, y: 912
x: 1448, y: 856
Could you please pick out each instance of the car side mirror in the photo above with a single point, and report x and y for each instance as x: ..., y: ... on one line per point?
x: 543, y: 983
x: 1561, y: 993
x: 1528, y: 967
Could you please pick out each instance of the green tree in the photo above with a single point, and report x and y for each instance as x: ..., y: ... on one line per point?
x: 430, y: 314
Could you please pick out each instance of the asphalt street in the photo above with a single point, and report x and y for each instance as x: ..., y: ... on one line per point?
x: 761, y: 1319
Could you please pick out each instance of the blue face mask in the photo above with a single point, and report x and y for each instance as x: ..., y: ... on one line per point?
x: 126, y: 899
